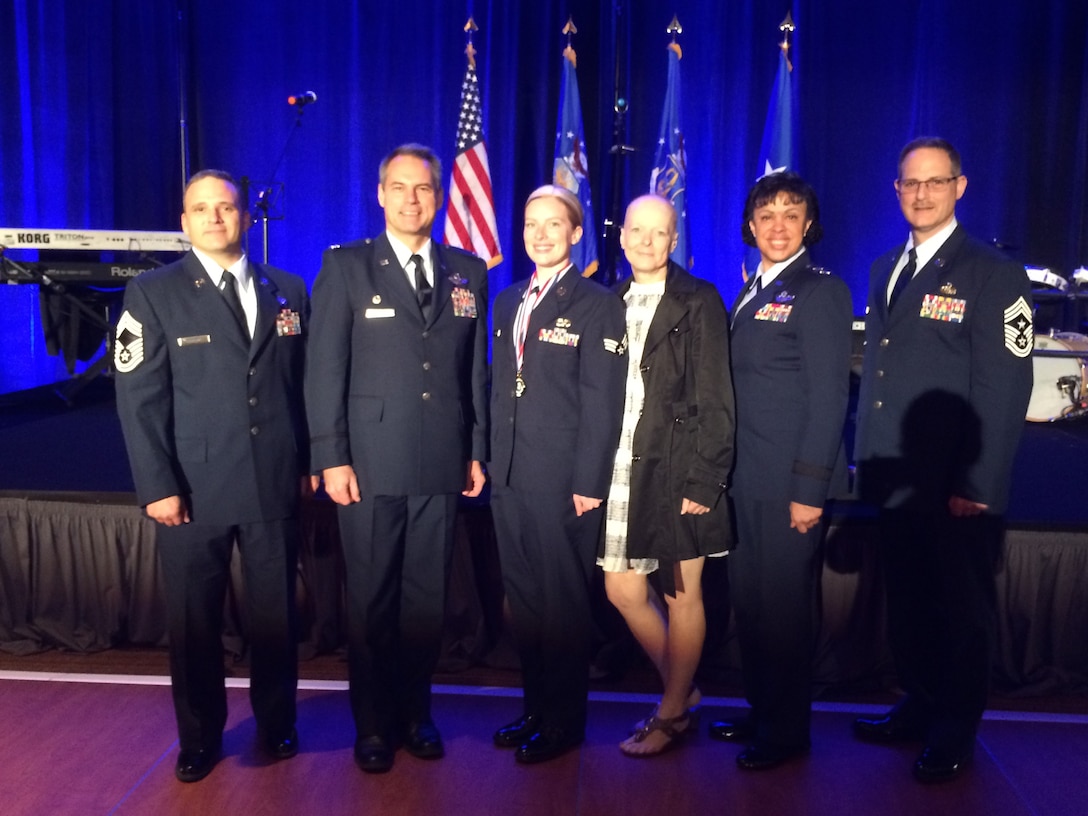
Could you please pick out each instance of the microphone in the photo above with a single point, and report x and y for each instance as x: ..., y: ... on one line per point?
x: 302, y: 99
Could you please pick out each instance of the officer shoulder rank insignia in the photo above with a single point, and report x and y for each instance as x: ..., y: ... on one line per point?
x: 1019, y: 334
x: 288, y: 323
x: 128, y: 350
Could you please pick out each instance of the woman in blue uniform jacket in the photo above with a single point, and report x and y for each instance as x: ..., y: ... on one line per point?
x: 790, y: 346
x: 556, y: 397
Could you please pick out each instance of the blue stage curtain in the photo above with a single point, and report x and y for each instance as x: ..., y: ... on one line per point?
x: 89, y: 136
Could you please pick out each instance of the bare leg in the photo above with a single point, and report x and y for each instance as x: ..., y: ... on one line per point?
x: 675, y: 647
x: 630, y: 593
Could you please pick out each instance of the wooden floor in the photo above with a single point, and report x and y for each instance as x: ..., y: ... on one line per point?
x: 108, y: 747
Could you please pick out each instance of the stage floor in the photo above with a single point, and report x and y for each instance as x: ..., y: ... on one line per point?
x: 74, y: 746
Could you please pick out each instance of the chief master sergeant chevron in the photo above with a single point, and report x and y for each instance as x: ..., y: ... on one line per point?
x: 216, y: 436
x: 944, y: 393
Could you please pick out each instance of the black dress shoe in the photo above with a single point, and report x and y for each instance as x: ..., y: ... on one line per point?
x: 518, y: 732
x: 730, y: 731
x: 422, y: 740
x: 940, y: 765
x: 282, y: 747
x: 547, y: 743
x: 373, y: 754
x: 762, y: 757
x: 891, y: 728
x: 192, y: 766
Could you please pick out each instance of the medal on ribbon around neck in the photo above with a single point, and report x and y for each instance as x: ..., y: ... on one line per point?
x: 519, y: 385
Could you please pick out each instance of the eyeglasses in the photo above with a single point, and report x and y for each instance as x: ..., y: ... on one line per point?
x: 912, y: 186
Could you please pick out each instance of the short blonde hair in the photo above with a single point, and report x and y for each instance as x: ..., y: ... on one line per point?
x: 569, y: 200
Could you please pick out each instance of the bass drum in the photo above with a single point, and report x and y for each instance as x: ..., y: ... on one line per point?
x: 1060, y: 382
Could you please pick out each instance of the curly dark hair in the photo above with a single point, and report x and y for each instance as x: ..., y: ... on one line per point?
x: 796, y: 190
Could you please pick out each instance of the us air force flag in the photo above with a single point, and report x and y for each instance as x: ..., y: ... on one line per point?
x: 571, y: 167
x: 669, y: 176
x: 776, y: 152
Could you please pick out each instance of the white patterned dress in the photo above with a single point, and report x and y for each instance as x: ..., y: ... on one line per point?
x: 642, y: 300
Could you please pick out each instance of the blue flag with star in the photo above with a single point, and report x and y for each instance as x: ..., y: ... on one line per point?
x: 776, y: 151
x: 669, y: 176
x: 571, y: 167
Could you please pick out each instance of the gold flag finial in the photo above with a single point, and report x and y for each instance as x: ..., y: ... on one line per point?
x: 674, y: 29
x: 787, y: 27
x: 470, y: 51
x: 570, y: 29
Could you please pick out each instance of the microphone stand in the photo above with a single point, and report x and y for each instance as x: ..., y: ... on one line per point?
x: 267, y: 193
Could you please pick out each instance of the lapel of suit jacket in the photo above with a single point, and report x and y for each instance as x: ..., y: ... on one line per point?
x: 206, y: 289
x: 269, y: 303
x: 670, y: 310
x: 881, y: 295
x: 393, y: 279
x: 778, y: 286
x: 556, y: 301
x: 925, y: 279
x: 505, y: 322
x: 444, y: 277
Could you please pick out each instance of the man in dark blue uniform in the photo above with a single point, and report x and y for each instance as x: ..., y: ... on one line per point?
x: 790, y: 352
x: 209, y: 358
x: 396, y: 393
x: 945, y: 387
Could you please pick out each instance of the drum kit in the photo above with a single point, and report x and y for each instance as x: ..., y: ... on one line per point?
x: 1060, y: 358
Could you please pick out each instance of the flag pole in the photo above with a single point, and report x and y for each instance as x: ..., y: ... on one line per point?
x: 619, y: 150
x: 570, y: 166
x: 470, y: 206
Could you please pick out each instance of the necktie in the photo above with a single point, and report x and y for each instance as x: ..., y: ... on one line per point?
x: 230, y: 294
x: 424, y: 290
x: 904, y: 278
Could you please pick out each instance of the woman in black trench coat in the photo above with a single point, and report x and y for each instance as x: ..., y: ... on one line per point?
x: 666, y: 508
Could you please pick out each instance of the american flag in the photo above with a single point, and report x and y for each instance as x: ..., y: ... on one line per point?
x: 470, y: 214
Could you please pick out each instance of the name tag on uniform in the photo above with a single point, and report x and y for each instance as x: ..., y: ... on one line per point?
x: 195, y: 340
x: 288, y: 323
x: 373, y: 313
x: 947, y: 309
x: 464, y: 302
x: 775, y: 312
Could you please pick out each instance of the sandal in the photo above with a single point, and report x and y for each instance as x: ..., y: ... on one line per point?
x: 674, y: 729
x: 695, y: 697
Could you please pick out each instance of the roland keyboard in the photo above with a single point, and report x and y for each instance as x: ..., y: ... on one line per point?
x: 91, y: 273
x: 93, y: 240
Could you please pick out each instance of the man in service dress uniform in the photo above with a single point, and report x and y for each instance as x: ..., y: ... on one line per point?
x: 396, y: 390
x: 945, y: 387
x: 209, y: 358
